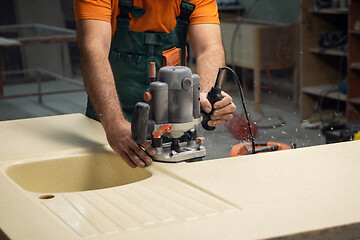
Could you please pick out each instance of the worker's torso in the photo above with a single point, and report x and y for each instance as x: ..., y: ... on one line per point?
x: 132, y: 51
x: 160, y: 15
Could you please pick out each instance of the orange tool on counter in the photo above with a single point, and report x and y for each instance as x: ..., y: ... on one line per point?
x: 245, y: 148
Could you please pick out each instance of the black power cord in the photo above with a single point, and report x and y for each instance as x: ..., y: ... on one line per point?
x: 236, y: 78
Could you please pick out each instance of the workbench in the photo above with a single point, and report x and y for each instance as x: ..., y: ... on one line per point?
x: 304, y: 193
x: 261, y: 46
x: 35, y: 35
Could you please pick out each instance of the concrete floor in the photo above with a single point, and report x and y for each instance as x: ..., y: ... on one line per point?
x: 218, y: 143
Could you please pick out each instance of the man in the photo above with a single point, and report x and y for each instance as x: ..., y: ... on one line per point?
x: 117, y: 40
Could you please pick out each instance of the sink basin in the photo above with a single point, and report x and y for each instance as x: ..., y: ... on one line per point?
x: 81, y: 172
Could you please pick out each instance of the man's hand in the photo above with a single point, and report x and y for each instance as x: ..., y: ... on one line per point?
x: 94, y: 37
x: 223, y: 110
x: 120, y: 140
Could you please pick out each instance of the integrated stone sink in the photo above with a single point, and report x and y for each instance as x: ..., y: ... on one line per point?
x: 75, y: 173
x: 59, y: 179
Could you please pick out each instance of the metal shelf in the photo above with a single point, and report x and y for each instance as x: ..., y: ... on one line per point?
x: 333, y: 11
x: 331, y: 52
x: 354, y: 101
x: 355, y: 66
x: 323, y: 90
x: 355, y: 32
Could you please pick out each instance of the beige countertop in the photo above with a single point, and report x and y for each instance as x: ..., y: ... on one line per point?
x: 310, y: 192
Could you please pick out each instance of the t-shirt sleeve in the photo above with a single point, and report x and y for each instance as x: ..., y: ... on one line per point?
x: 206, y: 11
x: 92, y: 9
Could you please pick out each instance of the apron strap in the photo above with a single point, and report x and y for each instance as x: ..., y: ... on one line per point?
x: 186, y: 8
x: 127, y: 6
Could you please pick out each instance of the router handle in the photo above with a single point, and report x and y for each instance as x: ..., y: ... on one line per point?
x: 139, y: 123
x: 213, y: 96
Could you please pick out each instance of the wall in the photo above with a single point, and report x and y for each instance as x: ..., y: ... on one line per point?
x: 285, y: 11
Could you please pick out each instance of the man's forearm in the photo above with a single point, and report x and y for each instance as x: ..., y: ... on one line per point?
x: 94, y: 38
x: 100, y: 86
x: 207, y: 66
x: 209, y: 52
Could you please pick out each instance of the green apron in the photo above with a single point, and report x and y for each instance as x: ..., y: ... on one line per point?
x: 131, y: 52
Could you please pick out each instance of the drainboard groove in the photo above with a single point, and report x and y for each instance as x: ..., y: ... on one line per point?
x: 208, y: 204
x: 174, y: 211
x: 188, y: 202
x: 185, y: 212
x: 143, y: 201
x: 127, y: 206
x: 70, y: 216
x: 92, y: 214
x: 116, y: 215
x: 198, y: 188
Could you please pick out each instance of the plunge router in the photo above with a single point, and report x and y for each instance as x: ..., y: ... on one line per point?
x: 173, y: 112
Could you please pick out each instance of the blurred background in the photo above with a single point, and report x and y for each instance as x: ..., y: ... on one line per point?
x: 298, y: 62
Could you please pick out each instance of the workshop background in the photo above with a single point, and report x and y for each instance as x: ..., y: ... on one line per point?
x: 298, y: 61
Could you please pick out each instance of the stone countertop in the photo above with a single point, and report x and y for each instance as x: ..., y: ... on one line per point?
x: 311, y: 192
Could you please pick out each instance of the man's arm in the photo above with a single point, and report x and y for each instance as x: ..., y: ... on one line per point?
x: 94, y: 38
x: 210, y: 56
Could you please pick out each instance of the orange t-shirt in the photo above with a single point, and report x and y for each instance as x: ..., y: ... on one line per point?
x: 160, y: 15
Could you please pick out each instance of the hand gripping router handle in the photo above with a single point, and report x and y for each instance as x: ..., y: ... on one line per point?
x: 213, y: 96
x: 140, y: 122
